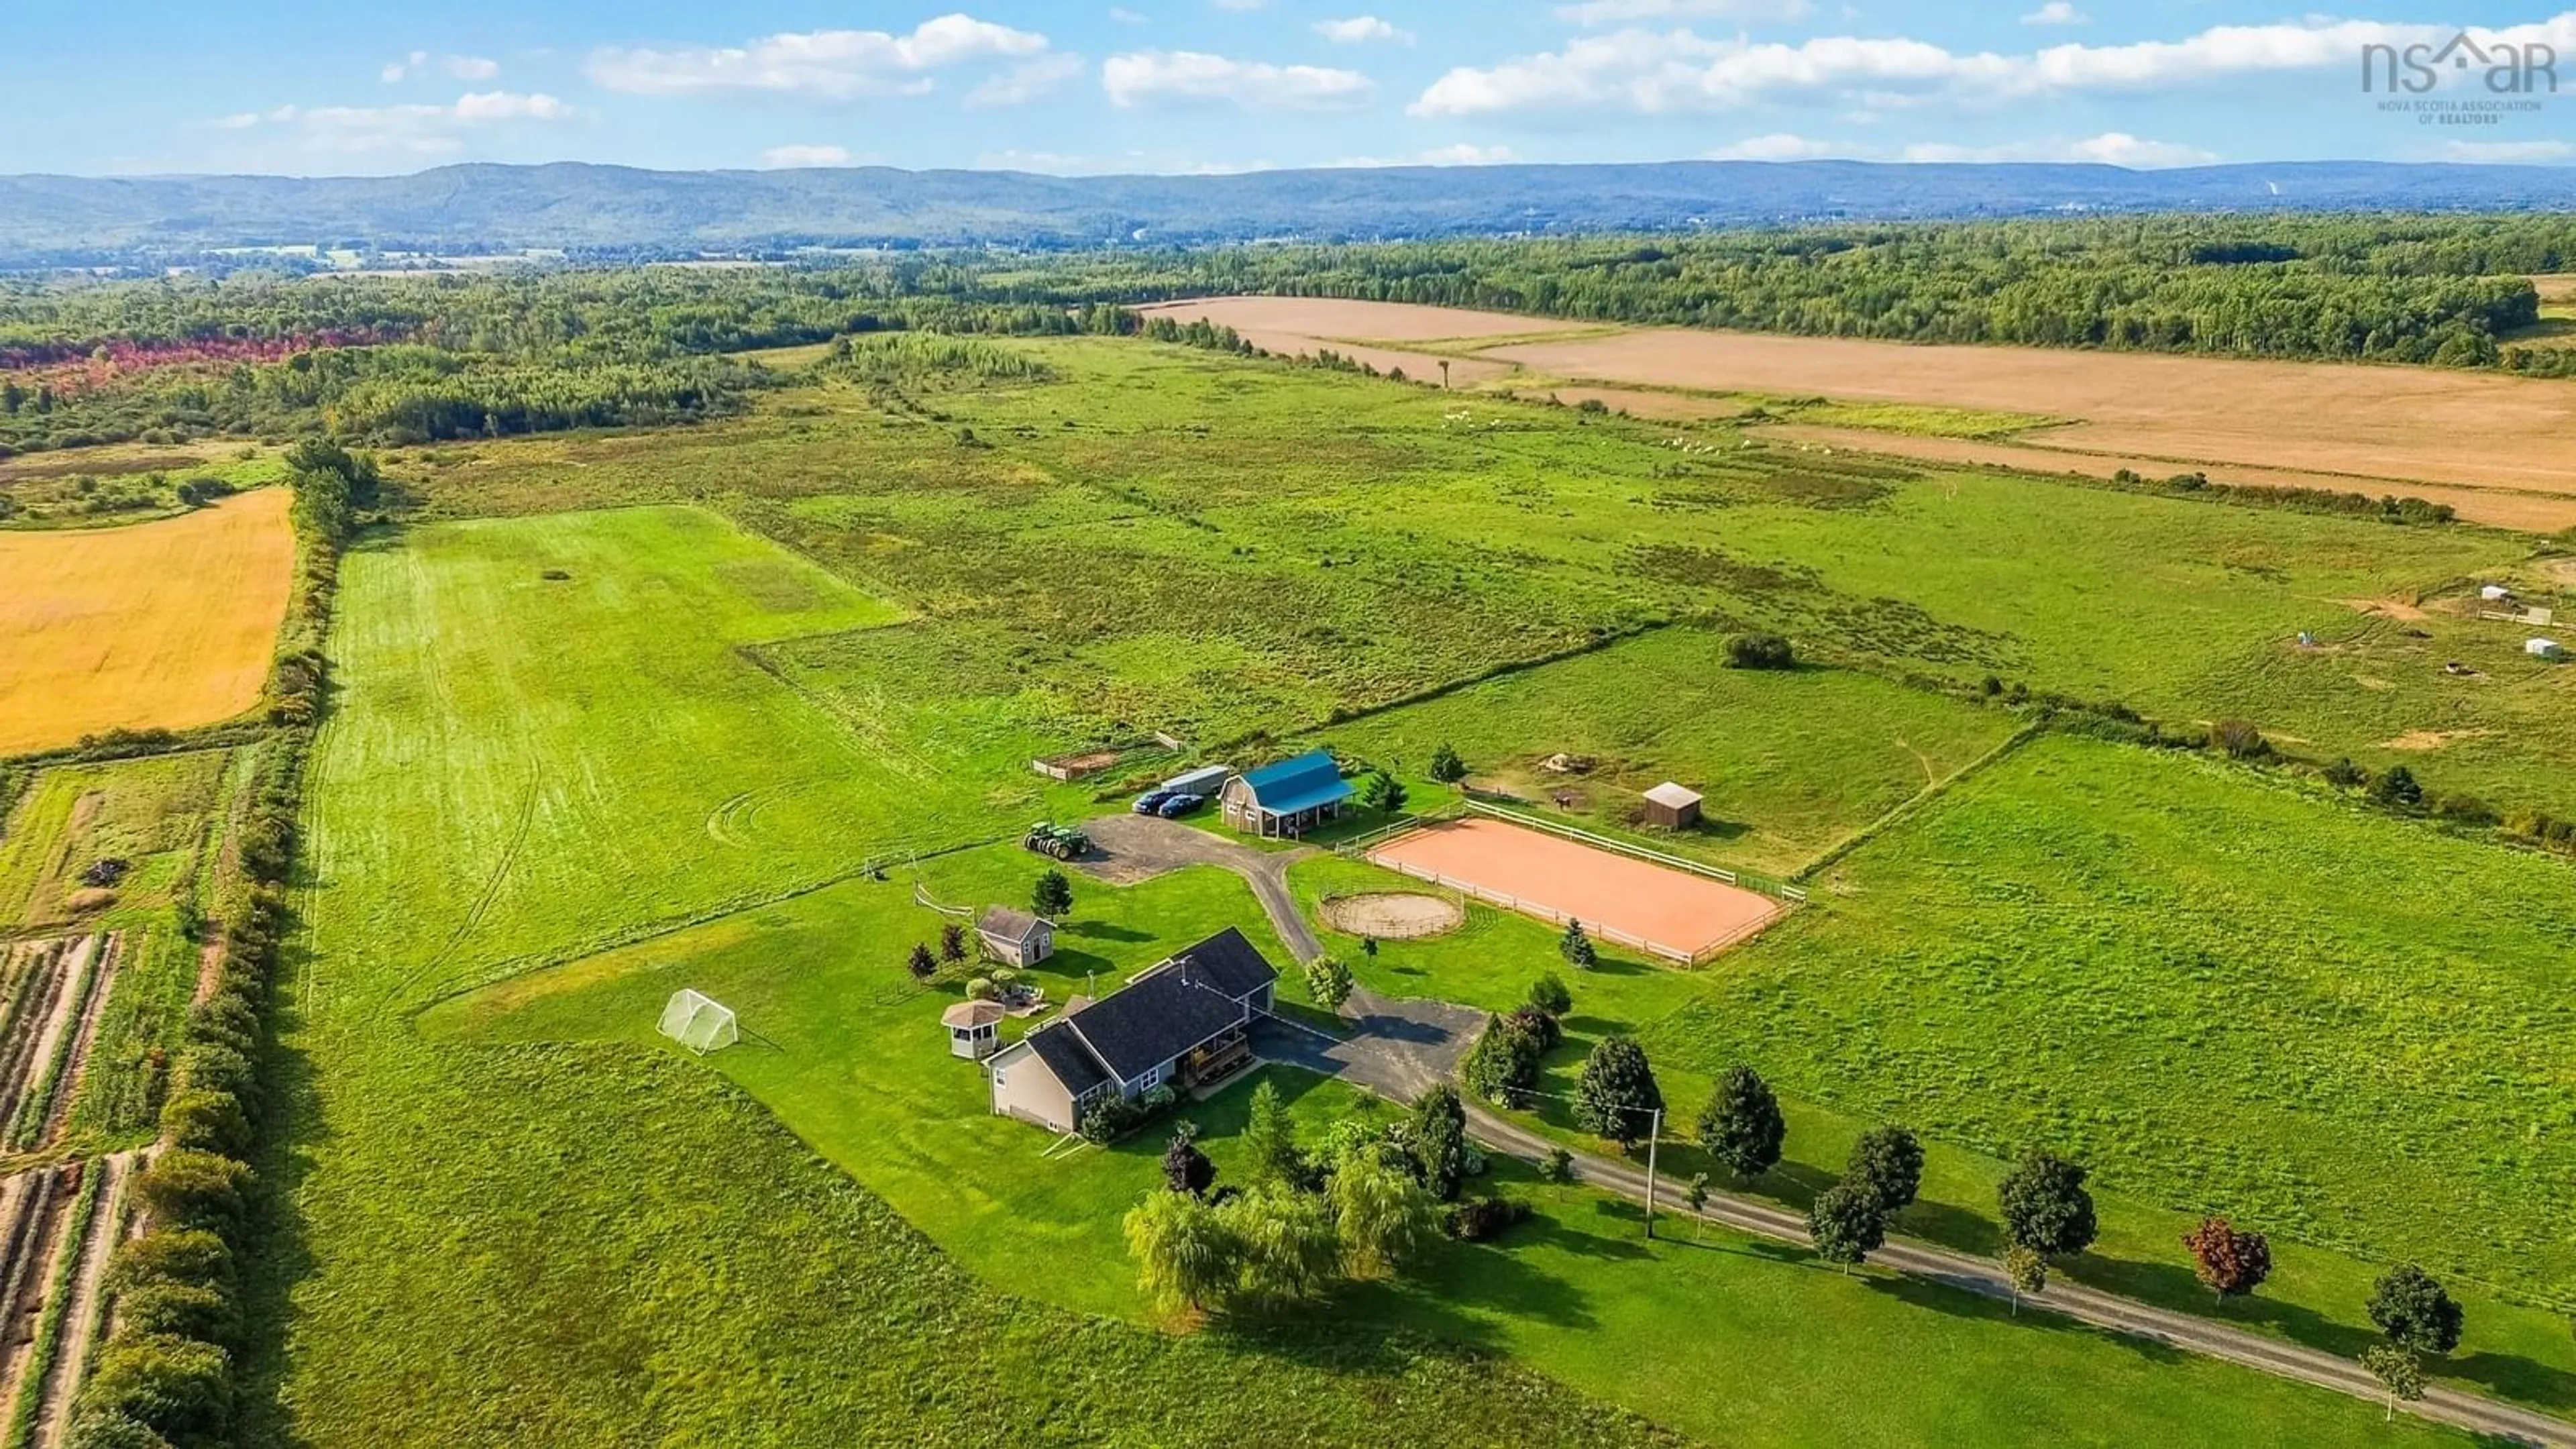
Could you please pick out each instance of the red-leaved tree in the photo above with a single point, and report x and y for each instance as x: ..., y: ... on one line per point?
x: 2230, y: 1263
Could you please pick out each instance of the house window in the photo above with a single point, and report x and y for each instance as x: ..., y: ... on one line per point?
x: 1153, y: 1076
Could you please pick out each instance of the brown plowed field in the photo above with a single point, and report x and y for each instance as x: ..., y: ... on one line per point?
x: 2376, y: 428
x: 165, y: 624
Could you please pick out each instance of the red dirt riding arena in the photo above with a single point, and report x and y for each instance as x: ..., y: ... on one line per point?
x: 1618, y: 898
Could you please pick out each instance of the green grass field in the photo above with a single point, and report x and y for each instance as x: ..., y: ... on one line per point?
x: 848, y: 1052
x: 150, y: 813
x: 541, y: 803
x: 2223, y: 992
x: 1791, y: 762
x: 674, y: 1263
x: 2315, y: 1297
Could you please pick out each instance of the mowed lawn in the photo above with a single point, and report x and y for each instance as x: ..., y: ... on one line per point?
x: 1725, y: 1338
x: 2225, y: 992
x: 165, y: 625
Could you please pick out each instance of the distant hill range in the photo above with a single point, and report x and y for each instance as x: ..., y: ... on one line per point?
x: 584, y: 208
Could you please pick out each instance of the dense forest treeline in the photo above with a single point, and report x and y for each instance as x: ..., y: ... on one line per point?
x: 400, y: 360
x: 2447, y: 291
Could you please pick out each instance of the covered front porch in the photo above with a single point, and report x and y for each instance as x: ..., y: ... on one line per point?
x: 1216, y: 1061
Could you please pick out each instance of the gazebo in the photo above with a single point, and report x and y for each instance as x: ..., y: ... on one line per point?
x: 974, y: 1029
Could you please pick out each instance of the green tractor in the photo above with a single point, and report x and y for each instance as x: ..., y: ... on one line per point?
x: 1059, y: 842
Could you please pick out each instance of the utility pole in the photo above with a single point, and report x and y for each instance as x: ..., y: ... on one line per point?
x: 1652, y: 1134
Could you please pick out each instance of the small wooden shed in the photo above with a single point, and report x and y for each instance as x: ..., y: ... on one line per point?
x: 1671, y: 806
x: 1016, y: 938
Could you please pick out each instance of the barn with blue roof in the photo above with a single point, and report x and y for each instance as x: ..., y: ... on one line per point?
x: 1288, y: 798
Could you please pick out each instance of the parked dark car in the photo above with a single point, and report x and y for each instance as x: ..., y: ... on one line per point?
x: 1151, y: 801
x: 1180, y: 805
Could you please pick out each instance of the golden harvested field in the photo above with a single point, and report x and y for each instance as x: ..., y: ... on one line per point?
x: 2532, y: 512
x: 2371, y: 429
x: 166, y: 624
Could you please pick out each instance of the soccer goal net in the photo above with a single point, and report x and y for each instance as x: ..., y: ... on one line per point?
x: 699, y: 1023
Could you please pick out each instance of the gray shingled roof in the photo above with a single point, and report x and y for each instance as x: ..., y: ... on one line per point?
x: 1063, y: 1051
x: 1231, y: 963
x: 1006, y: 923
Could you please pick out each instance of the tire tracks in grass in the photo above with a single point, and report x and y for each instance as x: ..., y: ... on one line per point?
x: 402, y: 987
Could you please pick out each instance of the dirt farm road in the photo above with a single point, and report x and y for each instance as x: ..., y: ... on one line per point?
x: 1397, y: 1048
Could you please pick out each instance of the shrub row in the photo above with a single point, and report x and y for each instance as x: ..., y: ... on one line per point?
x: 165, y: 1374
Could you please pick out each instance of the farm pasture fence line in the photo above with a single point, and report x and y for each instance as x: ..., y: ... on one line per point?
x: 1794, y: 894
x: 1361, y: 845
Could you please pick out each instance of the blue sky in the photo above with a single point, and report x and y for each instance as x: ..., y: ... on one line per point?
x: 357, y: 87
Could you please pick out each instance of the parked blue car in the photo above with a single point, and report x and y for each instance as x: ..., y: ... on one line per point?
x: 1179, y: 805
x: 1151, y: 801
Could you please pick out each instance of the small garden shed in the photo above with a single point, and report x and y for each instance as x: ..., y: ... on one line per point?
x: 1015, y: 938
x: 1672, y: 806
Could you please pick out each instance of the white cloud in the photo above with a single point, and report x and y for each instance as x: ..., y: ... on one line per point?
x: 2111, y: 148
x: 1360, y: 30
x: 1679, y: 70
x: 1125, y: 16
x: 1777, y: 146
x: 461, y: 67
x: 2055, y: 12
x: 1622, y: 12
x: 409, y: 130
x: 784, y: 158
x: 1461, y: 154
x: 1183, y: 75
x: 830, y: 64
x: 1026, y: 81
x: 2523, y: 152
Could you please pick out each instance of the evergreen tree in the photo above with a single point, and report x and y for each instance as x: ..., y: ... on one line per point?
x: 1446, y: 767
x: 1503, y: 1066
x: 1576, y: 947
x: 1742, y: 1127
x: 1438, y: 1141
x: 1053, y: 895
x: 1270, y: 1139
x: 1548, y: 994
x: 1617, y: 1097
